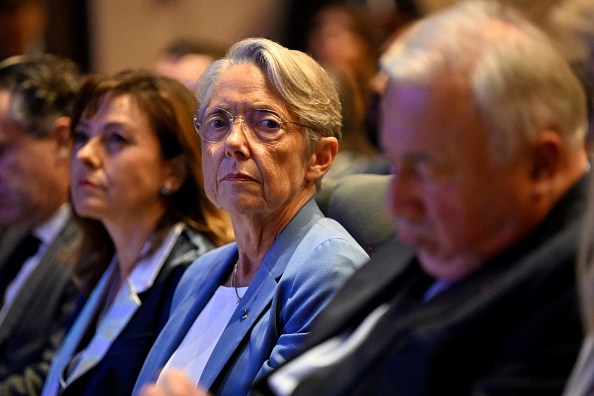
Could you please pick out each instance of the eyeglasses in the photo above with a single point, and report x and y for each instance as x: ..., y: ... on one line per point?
x: 214, y: 124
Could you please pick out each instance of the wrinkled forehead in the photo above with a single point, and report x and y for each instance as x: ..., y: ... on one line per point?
x: 243, y: 87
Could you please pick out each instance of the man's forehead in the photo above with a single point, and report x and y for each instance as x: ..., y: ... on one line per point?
x: 5, y: 97
x: 9, y: 128
x: 439, y: 119
x: 407, y: 92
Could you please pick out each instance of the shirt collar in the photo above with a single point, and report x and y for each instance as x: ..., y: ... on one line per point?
x: 50, y: 229
x: 146, y: 270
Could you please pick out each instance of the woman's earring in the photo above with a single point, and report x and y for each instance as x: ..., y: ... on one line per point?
x: 166, y: 190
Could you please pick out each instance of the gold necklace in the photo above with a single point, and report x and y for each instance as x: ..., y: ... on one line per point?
x: 233, y: 281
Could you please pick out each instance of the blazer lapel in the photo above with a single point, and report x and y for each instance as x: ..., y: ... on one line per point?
x: 10, y: 238
x: 8, y: 244
x: 248, y: 312
x: 259, y: 295
x: 185, y: 312
x: 364, y: 290
x: 124, y: 307
x: 59, y: 253
x: 73, y: 338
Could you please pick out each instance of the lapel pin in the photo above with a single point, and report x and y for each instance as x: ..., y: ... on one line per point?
x: 244, y: 313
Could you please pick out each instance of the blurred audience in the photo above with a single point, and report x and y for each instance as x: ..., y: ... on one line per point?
x: 573, y: 28
x: 483, y: 120
x: 575, y: 21
x: 356, y: 153
x: 408, y: 12
x: 186, y: 59
x: 40, y: 242
x: 137, y: 190
x: 45, y: 26
x: 270, y: 123
x: 22, y: 27
x: 342, y: 39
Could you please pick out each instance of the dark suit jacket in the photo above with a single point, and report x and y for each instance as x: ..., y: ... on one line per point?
x: 115, y: 373
x: 35, y: 323
x: 510, y: 328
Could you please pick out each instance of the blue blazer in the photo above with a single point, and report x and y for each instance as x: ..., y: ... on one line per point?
x: 114, y: 371
x: 311, y: 258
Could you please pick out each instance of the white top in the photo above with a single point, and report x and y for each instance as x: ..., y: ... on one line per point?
x: 581, y: 381
x: 46, y: 233
x: 195, y: 349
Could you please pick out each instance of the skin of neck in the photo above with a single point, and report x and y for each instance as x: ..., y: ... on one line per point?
x: 130, y: 237
x: 256, y: 235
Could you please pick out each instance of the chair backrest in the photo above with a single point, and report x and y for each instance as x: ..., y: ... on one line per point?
x: 357, y: 202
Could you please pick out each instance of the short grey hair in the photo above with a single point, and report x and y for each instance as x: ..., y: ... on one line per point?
x: 305, y: 87
x: 43, y: 87
x: 520, y: 82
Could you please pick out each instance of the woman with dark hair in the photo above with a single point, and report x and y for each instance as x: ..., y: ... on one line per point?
x: 137, y: 189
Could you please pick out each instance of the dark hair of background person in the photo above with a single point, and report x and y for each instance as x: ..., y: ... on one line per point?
x: 186, y: 58
x: 58, y: 27
x: 187, y: 46
x: 353, y: 26
x: 43, y: 88
x: 169, y: 106
x: 300, y: 12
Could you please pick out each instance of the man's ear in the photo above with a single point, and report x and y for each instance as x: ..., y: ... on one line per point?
x: 322, y: 158
x: 547, y: 155
x: 61, y: 134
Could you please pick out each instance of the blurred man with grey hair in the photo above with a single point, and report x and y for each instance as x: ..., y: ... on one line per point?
x: 484, y: 123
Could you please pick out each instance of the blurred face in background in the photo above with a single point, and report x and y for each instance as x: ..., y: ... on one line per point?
x: 30, y: 172
x: 335, y: 42
x: 186, y: 69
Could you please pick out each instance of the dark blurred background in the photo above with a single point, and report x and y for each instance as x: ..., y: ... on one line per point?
x: 56, y: 26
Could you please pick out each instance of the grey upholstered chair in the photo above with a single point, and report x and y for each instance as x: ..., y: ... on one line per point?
x: 357, y: 202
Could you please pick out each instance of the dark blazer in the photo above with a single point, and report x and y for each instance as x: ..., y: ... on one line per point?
x: 115, y: 372
x: 510, y: 328
x: 35, y: 323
